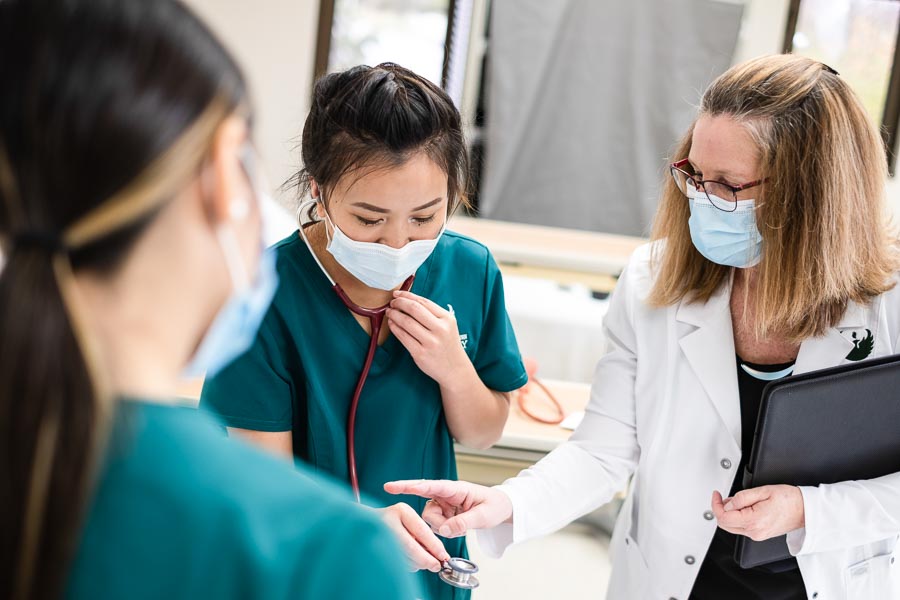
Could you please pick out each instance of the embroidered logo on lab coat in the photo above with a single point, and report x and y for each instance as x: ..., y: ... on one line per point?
x: 862, y: 345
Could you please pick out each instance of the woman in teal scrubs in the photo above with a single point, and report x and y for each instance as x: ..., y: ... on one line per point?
x: 130, y: 226
x: 385, y: 167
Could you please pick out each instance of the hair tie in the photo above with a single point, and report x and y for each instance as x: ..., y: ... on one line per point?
x: 42, y: 240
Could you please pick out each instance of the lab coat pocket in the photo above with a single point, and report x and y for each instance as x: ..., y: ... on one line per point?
x: 876, y: 577
x: 637, y: 573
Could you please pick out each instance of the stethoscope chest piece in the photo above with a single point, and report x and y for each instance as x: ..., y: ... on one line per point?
x: 460, y: 573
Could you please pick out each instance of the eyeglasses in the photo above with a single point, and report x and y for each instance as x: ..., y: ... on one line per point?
x: 720, y: 194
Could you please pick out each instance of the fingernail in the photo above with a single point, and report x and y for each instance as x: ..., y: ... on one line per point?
x: 444, y: 531
x: 729, y: 506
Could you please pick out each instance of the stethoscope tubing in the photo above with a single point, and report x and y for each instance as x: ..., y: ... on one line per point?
x: 376, y: 320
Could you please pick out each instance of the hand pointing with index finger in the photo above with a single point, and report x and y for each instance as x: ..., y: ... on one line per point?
x: 457, y: 506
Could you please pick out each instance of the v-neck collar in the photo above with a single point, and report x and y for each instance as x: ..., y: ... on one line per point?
x: 343, y: 317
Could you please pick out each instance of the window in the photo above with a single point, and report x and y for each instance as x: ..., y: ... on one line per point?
x: 443, y: 40
x: 858, y: 38
x: 412, y: 33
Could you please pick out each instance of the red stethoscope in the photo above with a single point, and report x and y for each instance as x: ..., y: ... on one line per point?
x: 376, y: 321
x: 523, y: 394
x: 458, y: 572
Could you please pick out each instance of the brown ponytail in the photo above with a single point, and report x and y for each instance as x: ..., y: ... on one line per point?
x: 108, y: 110
x: 56, y: 404
x: 51, y: 419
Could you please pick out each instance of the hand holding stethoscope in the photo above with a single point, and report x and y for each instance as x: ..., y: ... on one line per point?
x: 422, y: 548
x: 430, y: 334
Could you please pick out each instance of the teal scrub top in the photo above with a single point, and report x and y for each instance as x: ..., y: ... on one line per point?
x: 181, y: 511
x: 300, y: 375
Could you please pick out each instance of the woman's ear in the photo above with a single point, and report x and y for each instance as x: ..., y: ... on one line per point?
x: 316, y: 194
x: 227, y: 195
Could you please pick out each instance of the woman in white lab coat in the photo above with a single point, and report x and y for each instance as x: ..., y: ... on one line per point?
x: 771, y: 256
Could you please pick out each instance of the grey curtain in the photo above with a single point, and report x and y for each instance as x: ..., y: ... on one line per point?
x: 585, y: 100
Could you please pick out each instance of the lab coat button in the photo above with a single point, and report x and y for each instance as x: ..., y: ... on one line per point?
x: 815, y: 595
x: 708, y: 515
x: 726, y: 464
x: 689, y: 559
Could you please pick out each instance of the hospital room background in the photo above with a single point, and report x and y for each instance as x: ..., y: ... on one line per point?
x: 572, y: 109
x: 565, y: 183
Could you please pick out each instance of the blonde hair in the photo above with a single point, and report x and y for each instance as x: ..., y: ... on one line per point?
x: 821, y: 210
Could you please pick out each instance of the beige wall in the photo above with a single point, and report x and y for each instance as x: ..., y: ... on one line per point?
x: 274, y: 41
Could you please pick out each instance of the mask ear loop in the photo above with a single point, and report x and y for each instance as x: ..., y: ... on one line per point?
x: 311, y: 203
x: 327, y: 220
x: 234, y: 262
x: 238, y: 210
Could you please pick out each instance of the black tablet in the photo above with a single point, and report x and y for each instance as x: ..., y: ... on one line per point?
x: 826, y: 426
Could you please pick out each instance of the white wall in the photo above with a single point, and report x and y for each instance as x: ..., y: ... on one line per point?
x: 274, y: 41
x: 762, y: 33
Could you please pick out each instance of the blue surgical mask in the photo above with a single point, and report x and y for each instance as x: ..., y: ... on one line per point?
x: 235, y: 326
x: 726, y: 238
x: 378, y: 265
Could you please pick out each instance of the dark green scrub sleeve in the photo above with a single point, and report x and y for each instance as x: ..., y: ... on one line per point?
x: 361, y: 560
x: 497, y: 359
x: 255, y: 391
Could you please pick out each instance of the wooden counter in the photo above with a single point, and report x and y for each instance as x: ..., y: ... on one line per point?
x: 524, y: 441
x: 552, y: 248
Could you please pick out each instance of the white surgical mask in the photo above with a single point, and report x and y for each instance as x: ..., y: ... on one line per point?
x: 379, y: 265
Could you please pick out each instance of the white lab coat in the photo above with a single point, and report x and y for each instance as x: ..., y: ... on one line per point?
x: 665, y: 408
